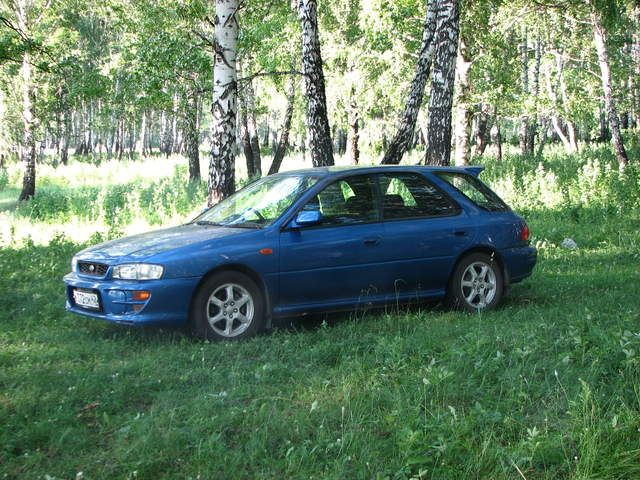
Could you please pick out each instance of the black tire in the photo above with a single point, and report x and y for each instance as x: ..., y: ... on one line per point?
x: 462, y: 285
x: 203, y: 308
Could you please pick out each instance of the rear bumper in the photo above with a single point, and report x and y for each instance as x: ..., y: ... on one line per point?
x: 167, y: 305
x: 519, y: 262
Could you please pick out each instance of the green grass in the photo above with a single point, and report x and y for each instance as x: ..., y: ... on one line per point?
x: 546, y: 387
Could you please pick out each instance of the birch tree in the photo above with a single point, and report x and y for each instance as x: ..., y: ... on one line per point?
x: 464, y: 113
x: 224, y: 105
x: 442, y: 83
x: 191, y: 133
x: 24, y: 12
x: 283, y: 141
x: 407, y: 121
x: 600, y: 38
x: 316, y: 120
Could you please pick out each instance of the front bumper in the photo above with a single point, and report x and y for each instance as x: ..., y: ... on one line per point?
x: 168, y: 303
x: 519, y: 262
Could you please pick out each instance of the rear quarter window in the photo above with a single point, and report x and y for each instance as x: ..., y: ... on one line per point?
x: 474, y: 190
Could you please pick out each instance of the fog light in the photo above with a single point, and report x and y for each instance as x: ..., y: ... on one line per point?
x: 140, y: 295
x: 136, y: 308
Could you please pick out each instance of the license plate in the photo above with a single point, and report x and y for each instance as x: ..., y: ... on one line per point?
x: 86, y: 299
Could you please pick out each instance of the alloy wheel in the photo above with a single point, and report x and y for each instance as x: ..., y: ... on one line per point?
x: 478, y: 285
x: 230, y: 310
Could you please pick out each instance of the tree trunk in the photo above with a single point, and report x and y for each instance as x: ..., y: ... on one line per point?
x: 483, y: 130
x: 523, y: 131
x: 175, y: 134
x: 569, y: 144
x: 496, y: 134
x: 65, y: 130
x: 245, y: 139
x: 407, y: 121
x: 224, y: 106
x: 604, y: 134
x: 316, y: 119
x: 442, y: 83
x: 192, y: 134
x: 132, y: 141
x: 283, y: 143
x: 252, y: 129
x: 463, y: 108
x: 600, y: 37
x: 353, y: 137
x: 533, y: 125
x: 142, y: 147
x: 88, y: 130
x: 542, y: 137
x: 28, y: 147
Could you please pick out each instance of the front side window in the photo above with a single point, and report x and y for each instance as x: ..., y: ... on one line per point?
x: 259, y: 203
x: 474, y: 190
x: 409, y: 195
x: 347, y: 201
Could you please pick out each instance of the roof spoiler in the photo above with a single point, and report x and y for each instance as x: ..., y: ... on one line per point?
x: 474, y: 170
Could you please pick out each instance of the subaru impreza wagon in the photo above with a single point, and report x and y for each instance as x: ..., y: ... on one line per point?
x: 308, y: 241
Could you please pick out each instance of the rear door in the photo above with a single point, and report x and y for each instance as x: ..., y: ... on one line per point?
x: 424, y: 230
x: 337, y: 261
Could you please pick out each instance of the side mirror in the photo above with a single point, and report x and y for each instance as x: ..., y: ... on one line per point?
x: 307, y: 218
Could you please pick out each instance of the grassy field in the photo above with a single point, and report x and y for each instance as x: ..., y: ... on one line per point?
x: 547, y: 386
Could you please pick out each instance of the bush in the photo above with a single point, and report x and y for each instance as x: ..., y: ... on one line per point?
x: 4, y: 179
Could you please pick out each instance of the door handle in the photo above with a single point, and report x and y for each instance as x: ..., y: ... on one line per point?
x: 371, y: 241
x: 460, y: 233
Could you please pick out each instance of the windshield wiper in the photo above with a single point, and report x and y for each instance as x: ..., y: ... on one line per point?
x: 207, y: 222
x: 247, y: 224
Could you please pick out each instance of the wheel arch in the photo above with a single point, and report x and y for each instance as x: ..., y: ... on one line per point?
x: 236, y: 267
x: 488, y: 250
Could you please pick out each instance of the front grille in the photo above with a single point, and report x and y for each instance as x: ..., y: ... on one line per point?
x: 91, y: 268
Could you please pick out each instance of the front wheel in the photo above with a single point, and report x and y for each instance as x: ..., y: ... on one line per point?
x: 228, y: 305
x: 477, y: 283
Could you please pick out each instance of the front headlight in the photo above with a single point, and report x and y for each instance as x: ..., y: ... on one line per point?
x: 137, y: 271
x: 74, y: 264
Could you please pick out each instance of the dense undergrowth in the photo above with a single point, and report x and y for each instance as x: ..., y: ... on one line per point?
x: 545, y: 387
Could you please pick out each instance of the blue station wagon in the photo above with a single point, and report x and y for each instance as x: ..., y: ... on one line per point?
x: 313, y: 240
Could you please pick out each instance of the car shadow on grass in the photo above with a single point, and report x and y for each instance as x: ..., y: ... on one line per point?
x: 520, y: 296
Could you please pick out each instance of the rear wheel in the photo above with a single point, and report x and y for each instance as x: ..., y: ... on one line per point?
x: 228, y: 305
x: 477, y: 283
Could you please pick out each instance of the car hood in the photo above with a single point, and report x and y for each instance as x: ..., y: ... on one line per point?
x: 152, y: 243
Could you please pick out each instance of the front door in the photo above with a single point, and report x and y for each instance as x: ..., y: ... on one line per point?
x: 336, y: 262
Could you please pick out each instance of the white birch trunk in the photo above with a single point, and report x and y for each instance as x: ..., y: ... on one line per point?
x: 462, y: 128
x: 28, y: 147
x: 407, y: 122
x: 317, y: 122
x: 224, y: 106
x: 442, y: 83
x: 600, y: 38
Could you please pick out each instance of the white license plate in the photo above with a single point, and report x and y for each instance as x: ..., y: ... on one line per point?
x: 86, y: 299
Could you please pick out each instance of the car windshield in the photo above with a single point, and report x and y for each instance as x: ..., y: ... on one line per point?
x: 259, y: 203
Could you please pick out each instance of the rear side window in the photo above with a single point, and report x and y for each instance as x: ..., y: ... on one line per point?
x: 474, y: 190
x: 407, y: 195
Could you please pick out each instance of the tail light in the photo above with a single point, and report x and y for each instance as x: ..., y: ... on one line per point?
x: 524, y: 233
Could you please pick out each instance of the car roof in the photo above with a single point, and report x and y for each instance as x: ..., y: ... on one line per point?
x: 346, y: 169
